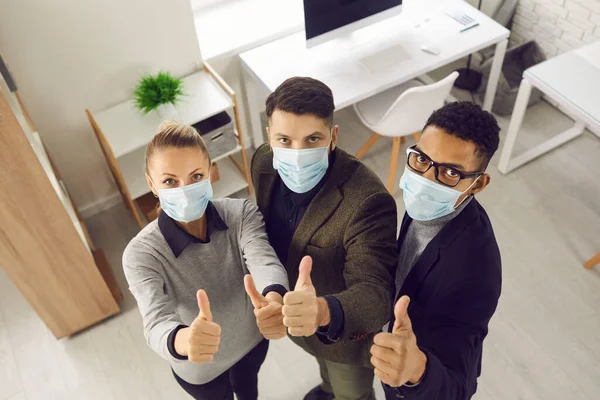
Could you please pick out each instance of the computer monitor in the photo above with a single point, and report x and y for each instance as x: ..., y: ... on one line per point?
x: 328, y: 19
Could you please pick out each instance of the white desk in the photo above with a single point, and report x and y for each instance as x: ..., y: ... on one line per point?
x: 573, y: 81
x: 337, y: 64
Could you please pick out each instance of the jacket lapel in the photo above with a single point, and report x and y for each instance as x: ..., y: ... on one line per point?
x: 421, y: 269
x: 431, y: 253
x: 318, y: 212
x: 403, y: 228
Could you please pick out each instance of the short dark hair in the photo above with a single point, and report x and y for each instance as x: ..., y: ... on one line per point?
x: 469, y: 122
x: 300, y: 96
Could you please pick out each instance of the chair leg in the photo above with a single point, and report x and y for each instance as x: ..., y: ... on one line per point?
x: 402, y: 139
x: 367, y: 146
x: 417, y: 136
x: 592, y: 262
x: 393, y: 165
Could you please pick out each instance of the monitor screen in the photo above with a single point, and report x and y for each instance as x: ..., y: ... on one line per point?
x: 323, y: 16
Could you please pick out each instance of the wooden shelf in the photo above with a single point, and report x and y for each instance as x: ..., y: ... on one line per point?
x: 126, y: 129
x: 231, y: 180
x: 123, y: 133
x: 229, y: 153
x: 132, y: 167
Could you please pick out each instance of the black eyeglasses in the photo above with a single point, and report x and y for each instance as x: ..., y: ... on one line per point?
x: 420, y: 163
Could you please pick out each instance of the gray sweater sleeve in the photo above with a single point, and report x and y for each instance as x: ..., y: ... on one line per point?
x: 157, y: 309
x: 261, y: 259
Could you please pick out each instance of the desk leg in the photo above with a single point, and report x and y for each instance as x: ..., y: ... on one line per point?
x: 254, y: 101
x: 492, y: 85
x: 514, y: 126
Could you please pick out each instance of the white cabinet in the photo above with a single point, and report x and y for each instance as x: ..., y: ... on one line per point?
x: 123, y: 133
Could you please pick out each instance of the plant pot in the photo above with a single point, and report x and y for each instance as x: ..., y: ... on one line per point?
x: 167, y: 111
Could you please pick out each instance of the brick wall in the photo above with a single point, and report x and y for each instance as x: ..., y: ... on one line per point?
x: 556, y: 25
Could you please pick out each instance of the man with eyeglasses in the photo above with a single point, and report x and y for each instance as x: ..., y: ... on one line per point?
x: 449, y: 271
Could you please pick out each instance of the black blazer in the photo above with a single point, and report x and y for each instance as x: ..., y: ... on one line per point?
x: 454, y: 289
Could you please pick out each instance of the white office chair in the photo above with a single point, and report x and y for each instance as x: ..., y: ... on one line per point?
x: 399, y: 112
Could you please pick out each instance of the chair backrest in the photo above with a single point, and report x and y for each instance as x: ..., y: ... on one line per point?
x: 409, y: 113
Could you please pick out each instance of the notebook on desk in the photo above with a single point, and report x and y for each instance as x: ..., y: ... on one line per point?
x: 464, y: 20
x: 445, y: 23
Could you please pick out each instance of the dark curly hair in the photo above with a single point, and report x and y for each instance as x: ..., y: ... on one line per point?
x: 300, y: 96
x: 469, y: 122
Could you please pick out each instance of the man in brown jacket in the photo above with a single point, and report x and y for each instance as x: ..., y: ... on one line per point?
x: 321, y: 202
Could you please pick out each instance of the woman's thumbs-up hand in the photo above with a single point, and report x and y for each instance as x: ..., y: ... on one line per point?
x: 267, y: 310
x: 201, y: 340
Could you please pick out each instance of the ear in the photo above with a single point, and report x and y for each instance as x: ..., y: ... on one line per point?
x: 334, y: 136
x: 481, y: 183
x: 151, y: 185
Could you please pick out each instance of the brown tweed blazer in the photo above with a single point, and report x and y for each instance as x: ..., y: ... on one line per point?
x: 349, y: 230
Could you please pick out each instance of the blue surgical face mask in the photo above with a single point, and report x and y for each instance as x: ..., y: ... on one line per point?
x: 186, y: 203
x: 301, y: 170
x: 426, y: 200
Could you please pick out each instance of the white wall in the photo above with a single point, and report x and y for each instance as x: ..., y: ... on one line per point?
x: 69, y: 55
x: 556, y: 25
x: 488, y: 7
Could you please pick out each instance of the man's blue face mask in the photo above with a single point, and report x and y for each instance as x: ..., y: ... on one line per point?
x: 301, y: 170
x: 426, y: 200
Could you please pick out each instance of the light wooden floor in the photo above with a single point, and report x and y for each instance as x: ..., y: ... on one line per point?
x: 544, y: 341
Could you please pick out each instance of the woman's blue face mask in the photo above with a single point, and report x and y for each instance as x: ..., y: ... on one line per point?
x: 186, y: 203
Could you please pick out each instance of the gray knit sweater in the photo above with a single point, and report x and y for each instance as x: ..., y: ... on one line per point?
x: 416, y: 239
x: 165, y: 285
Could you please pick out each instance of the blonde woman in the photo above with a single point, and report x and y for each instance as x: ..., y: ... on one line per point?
x: 186, y: 270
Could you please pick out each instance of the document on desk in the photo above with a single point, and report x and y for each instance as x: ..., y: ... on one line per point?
x: 445, y: 23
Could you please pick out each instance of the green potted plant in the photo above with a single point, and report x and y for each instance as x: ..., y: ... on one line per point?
x: 159, y: 92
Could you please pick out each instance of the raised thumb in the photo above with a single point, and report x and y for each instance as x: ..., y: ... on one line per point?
x: 304, y: 273
x: 203, y: 305
x: 256, y: 298
x: 402, y: 320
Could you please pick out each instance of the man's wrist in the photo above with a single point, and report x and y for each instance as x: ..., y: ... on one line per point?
x: 274, y: 297
x: 422, y: 367
x: 324, y: 315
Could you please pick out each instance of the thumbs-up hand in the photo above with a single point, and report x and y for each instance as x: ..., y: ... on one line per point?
x: 396, y: 357
x: 303, y: 312
x: 267, y: 310
x: 204, y: 335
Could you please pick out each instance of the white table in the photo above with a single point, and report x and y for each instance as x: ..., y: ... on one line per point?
x: 573, y: 81
x: 337, y: 63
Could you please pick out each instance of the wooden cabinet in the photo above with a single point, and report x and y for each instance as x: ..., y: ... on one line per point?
x: 44, y: 247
